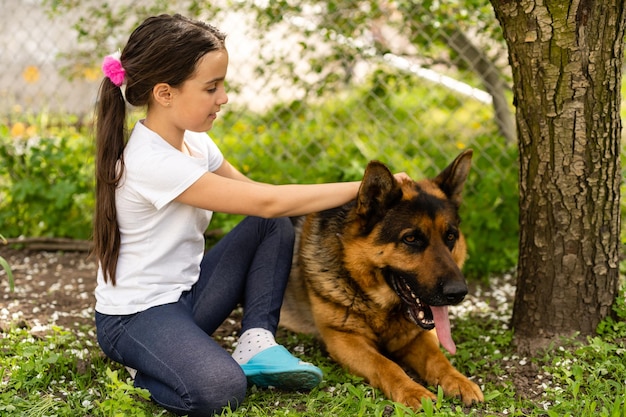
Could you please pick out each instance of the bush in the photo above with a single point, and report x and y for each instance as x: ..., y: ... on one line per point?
x: 46, y: 185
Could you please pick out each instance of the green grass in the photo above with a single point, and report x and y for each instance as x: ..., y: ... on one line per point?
x: 7, y: 268
x: 64, y: 373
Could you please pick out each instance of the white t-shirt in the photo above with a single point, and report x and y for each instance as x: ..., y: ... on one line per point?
x: 162, y: 242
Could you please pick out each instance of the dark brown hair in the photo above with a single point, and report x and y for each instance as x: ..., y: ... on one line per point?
x: 163, y: 49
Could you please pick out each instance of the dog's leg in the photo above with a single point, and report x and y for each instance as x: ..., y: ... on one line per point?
x: 426, y: 358
x: 362, y: 357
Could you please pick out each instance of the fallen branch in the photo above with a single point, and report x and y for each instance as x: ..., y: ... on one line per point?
x: 73, y: 245
x: 51, y: 243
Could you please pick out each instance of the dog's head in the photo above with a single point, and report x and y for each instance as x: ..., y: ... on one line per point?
x: 414, y: 240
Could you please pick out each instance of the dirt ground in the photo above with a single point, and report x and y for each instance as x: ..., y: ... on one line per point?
x: 56, y: 288
x: 50, y: 288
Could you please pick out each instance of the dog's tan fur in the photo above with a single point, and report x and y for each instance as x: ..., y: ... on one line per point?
x: 340, y: 286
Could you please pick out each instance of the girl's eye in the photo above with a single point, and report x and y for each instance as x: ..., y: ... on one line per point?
x: 212, y: 88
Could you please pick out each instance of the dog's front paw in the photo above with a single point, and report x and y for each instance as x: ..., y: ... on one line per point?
x: 460, y: 386
x: 412, y: 396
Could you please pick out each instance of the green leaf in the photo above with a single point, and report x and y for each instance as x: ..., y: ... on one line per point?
x: 7, y: 268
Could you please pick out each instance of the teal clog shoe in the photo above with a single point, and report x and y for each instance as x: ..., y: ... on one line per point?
x: 276, y: 367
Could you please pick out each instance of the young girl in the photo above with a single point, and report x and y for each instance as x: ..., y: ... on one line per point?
x: 159, y: 296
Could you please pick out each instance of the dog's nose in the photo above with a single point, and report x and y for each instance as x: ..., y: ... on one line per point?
x: 454, y: 291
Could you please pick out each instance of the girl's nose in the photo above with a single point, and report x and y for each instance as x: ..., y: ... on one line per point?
x: 223, y: 97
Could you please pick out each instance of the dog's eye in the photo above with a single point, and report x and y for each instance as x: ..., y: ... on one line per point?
x: 414, y: 240
x: 450, y: 238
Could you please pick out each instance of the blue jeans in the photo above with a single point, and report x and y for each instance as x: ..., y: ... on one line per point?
x: 177, y: 360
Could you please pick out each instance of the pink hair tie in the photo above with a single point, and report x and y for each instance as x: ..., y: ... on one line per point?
x: 112, y: 69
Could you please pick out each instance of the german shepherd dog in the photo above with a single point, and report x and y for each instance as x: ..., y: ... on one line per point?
x: 374, y: 278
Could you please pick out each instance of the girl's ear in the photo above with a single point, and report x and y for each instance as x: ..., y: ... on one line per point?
x: 162, y: 94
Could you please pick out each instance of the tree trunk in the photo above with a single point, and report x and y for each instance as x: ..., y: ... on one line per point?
x: 566, y: 58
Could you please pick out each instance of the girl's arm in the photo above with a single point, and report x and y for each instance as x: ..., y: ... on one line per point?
x: 229, y: 171
x: 238, y: 195
x: 227, y: 190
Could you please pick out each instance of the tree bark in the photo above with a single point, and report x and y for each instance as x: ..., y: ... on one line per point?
x: 566, y: 58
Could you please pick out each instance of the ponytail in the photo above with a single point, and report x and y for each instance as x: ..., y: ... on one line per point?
x: 110, y: 141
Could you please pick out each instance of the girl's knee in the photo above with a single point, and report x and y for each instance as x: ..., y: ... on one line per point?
x: 285, y: 225
x: 213, y: 400
x: 279, y: 226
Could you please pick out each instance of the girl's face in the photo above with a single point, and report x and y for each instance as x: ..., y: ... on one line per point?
x: 196, y: 102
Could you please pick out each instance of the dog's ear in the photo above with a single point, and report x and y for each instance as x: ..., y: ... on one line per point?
x: 452, y: 179
x: 378, y: 190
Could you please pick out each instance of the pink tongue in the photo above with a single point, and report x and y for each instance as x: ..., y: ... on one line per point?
x: 442, y: 325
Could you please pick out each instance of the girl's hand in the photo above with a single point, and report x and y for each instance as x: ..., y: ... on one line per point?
x: 402, y: 177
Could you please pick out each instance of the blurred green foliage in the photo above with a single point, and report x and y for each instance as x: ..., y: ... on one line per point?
x: 46, y: 181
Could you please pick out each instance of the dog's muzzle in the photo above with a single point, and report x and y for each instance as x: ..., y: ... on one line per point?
x: 416, y: 310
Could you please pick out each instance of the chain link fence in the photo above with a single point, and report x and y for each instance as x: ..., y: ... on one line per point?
x: 34, y: 77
